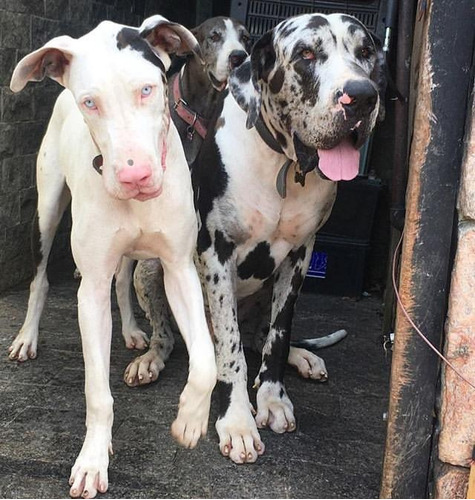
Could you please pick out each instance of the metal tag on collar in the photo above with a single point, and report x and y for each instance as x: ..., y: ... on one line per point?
x: 97, y: 164
x: 190, y: 130
x: 281, y: 182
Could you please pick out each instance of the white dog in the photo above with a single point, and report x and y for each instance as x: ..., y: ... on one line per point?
x: 112, y: 149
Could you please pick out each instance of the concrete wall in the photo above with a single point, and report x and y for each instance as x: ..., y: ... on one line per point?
x: 24, y: 26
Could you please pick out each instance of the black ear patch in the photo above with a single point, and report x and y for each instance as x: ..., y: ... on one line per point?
x: 379, y: 75
x: 277, y: 80
x: 130, y: 37
x: 263, y: 57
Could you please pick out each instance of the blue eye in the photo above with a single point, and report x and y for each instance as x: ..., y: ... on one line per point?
x: 147, y: 90
x: 90, y: 104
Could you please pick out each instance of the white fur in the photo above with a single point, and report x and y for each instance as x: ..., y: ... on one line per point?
x: 110, y: 221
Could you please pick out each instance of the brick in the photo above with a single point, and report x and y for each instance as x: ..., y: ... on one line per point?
x: 451, y: 482
x: 9, y: 209
x: 16, y: 31
x: 17, y: 107
x: 44, y: 96
x: 7, y: 144
x: 7, y: 65
x: 20, y: 139
x: 28, y: 204
x: 18, y: 173
x: 42, y: 30
x: 57, y: 9
x: 458, y: 398
x: 81, y: 13
x: 31, y: 7
x: 17, y: 240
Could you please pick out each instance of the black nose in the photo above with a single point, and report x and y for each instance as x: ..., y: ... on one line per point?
x: 236, y: 58
x: 358, y: 96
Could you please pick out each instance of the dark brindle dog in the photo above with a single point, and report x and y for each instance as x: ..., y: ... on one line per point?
x: 301, y: 107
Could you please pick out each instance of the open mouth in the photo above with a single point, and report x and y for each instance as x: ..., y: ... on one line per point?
x: 340, y: 162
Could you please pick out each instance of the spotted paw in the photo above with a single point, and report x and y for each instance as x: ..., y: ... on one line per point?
x: 274, y: 408
x: 309, y: 365
x: 144, y: 369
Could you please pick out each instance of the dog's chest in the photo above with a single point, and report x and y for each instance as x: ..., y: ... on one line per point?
x: 265, y: 227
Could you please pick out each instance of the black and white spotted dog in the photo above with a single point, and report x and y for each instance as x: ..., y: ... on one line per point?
x: 194, y: 96
x: 299, y: 109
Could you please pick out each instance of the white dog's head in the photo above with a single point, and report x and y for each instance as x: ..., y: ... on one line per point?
x: 116, y: 74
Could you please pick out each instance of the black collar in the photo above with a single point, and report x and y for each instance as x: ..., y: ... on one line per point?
x: 271, y: 141
x: 266, y: 135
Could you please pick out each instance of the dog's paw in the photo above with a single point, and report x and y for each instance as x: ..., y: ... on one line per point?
x: 274, y: 408
x: 144, y: 369
x: 309, y: 365
x: 238, y: 436
x: 89, y: 473
x: 24, y: 346
x: 192, y: 420
x: 135, y: 338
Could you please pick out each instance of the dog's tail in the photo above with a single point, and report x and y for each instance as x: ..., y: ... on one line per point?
x: 321, y: 342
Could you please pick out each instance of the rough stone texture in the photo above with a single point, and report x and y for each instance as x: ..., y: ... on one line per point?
x: 466, y: 202
x: 24, y: 26
x: 458, y: 398
x: 451, y: 481
x: 336, y: 451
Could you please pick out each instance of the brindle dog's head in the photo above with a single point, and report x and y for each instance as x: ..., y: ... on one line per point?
x: 225, y: 44
x: 318, y: 82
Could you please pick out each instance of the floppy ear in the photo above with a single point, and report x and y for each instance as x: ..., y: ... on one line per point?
x: 379, y: 75
x: 262, y: 61
x: 173, y: 38
x: 51, y: 60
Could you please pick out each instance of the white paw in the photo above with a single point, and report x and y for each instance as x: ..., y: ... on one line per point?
x: 274, y: 408
x: 238, y: 436
x: 308, y: 364
x: 89, y: 473
x: 24, y: 346
x: 193, y: 411
x: 144, y: 369
x: 135, y: 338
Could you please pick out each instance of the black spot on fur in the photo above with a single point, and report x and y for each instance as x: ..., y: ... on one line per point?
x: 210, y: 180
x: 297, y: 255
x: 277, y: 80
x: 286, y: 29
x: 258, y: 263
x: 224, y: 248
x: 281, y: 393
x: 130, y: 37
x: 215, y: 278
x: 224, y: 390
x: 316, y: 22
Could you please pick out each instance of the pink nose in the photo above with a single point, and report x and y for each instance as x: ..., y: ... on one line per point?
x: 137, y: 175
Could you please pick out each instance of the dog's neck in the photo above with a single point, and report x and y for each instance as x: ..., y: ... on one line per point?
x: 197, y: 90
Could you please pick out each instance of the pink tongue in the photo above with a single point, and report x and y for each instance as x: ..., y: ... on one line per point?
x: 340, y: 163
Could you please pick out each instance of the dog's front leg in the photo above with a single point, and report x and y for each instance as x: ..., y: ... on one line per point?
x: 183, y: 290
x: 238, y: 435
x: 274, y: 408
x: 89, y: 473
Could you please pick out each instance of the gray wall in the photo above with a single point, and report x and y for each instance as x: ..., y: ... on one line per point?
x: 24, y: 26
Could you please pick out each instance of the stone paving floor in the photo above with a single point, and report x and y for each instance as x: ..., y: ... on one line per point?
x: 336, y: 451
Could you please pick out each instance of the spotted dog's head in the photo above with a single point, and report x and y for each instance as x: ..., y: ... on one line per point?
x: 225, y: 44
x: 318, y: 83
x: 116, y: 75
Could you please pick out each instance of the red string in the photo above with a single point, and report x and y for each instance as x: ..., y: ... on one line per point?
x: 406, y: 314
